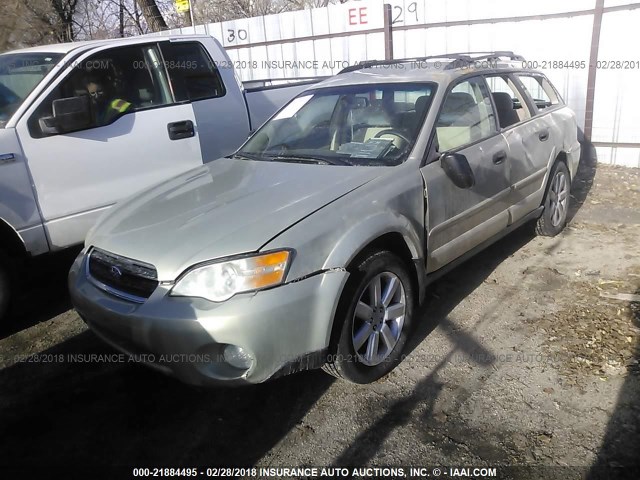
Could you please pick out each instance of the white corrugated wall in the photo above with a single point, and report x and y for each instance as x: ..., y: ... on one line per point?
x: 496, y: 25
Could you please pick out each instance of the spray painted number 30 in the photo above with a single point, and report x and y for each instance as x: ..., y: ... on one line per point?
x: 399, y: 14
x: 241, y: 34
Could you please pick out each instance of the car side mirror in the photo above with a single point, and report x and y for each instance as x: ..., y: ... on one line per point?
x: 457, y: 168
x: 69, y: 115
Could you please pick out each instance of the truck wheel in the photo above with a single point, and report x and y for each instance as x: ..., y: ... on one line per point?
x: 556, y: 202
x: 374, y: 316
x: 5, y: 285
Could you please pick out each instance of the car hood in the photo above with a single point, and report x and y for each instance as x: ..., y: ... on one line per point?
x: 227, y: 207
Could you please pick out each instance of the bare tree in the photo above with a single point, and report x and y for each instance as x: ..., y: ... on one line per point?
x: 152, y: 15
x: 34, y: 22
x: 65, y: 10
x: 25, y: 23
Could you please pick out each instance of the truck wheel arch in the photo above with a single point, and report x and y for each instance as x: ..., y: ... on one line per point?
x: 12, y: 252
x: 10, y: 241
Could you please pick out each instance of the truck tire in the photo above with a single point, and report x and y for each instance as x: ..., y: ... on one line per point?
x: 374, y: 316
x: 556, y: 202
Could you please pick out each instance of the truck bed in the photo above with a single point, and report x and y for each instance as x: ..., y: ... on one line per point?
x: 265, y: 97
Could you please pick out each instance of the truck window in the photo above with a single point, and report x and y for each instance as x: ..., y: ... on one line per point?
x: 192, y: 72
x: 19, y: 75
x: 540, y: 90
x: 117, y: 81
x: 466, y: 116
x: 511, y: 106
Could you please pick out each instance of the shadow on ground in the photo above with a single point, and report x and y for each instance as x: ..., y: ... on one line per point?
x: 42, y: 292
x: 66, y: 412
x: 618, y: 454
x: 443, y: 297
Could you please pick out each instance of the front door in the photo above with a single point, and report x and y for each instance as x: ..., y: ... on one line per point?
x: 139, y: 135
x: 460, y: 219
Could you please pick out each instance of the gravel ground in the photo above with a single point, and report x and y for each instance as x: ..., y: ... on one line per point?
x: 526, y: 355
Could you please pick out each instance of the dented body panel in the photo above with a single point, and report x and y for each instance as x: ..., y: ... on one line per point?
x: 327, y: 216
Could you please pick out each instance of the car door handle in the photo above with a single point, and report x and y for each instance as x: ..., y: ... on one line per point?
x: 499, y: 157
x: 179, y: 130
x: 543, y: 135
x: 7, y: 158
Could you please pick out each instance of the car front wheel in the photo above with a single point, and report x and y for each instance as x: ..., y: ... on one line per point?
x: 375, y: 315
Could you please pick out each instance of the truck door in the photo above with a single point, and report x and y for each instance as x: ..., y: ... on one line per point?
x: 18, y: 207
x: 133, y: 134
x: 211, y: 86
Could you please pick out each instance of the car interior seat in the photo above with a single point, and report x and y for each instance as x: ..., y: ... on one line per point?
x: 507, y: 114
x: 459, y: 121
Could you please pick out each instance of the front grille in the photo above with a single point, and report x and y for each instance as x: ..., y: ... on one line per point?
x: 122, y: 276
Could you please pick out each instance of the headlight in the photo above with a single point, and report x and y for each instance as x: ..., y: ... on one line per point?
x: 220, y: 281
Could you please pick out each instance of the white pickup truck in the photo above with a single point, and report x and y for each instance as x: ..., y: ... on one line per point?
x: 83, y: 125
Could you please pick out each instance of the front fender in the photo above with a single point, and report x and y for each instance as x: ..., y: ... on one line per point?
x: 355, y: 238
x: 332, y: 237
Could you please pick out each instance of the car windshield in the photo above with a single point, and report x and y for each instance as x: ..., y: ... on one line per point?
x: 373, y: 124
x: 19, y: 75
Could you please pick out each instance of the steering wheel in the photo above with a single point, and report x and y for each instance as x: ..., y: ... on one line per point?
x: 282, y: 147
x: 391, y: 131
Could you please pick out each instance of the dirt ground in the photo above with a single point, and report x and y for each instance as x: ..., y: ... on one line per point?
x: 526, y: 355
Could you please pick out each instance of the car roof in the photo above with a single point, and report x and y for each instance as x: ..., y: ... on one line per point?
x: 441, y: 69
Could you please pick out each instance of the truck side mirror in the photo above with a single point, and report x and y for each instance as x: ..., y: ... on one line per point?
x: 69, y: 115
x: 457, y: 168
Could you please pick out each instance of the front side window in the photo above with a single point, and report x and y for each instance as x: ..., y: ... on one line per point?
x: 352, y: 125
x: 466, y: 116
x: 20, y: 73
x: 510, y: 104
x: 540, y: 89
x: 110, y: 84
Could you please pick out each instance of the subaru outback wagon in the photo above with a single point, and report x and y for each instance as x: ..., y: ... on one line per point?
x: 313, y: 244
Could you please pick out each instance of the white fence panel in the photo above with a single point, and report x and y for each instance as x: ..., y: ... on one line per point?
x: 617, y: 103
x: 548, y: 33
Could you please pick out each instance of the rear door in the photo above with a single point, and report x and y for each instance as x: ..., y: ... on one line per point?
x: 210, y: 85
x: 530, y: 140
x: 149, y: 138
x: 460, y: 219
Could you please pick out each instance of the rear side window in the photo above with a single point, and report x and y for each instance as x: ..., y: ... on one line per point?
x: 511, y: 106
x: 193, y: 74
x: 466, y: 116
x: 540, y: 89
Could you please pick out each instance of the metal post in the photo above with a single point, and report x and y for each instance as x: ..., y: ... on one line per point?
x: 191, y: 15
x: 388, y: 33
x: 593, y: 62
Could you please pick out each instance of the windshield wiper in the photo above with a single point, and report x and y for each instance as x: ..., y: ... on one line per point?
x: 248, y: 156
x: 306, y: 158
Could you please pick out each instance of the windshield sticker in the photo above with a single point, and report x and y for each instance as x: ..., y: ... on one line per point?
x: 293, y: 107
x: 372, y: 148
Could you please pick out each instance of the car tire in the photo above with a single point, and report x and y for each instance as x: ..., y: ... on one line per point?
x: 556, y: 202
x: 6, y: 278
x: 374, y: 318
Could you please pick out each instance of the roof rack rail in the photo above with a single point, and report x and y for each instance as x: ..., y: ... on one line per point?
x: 459, y: 59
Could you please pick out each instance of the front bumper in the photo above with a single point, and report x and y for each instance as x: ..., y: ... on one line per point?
x: 283, y: 328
